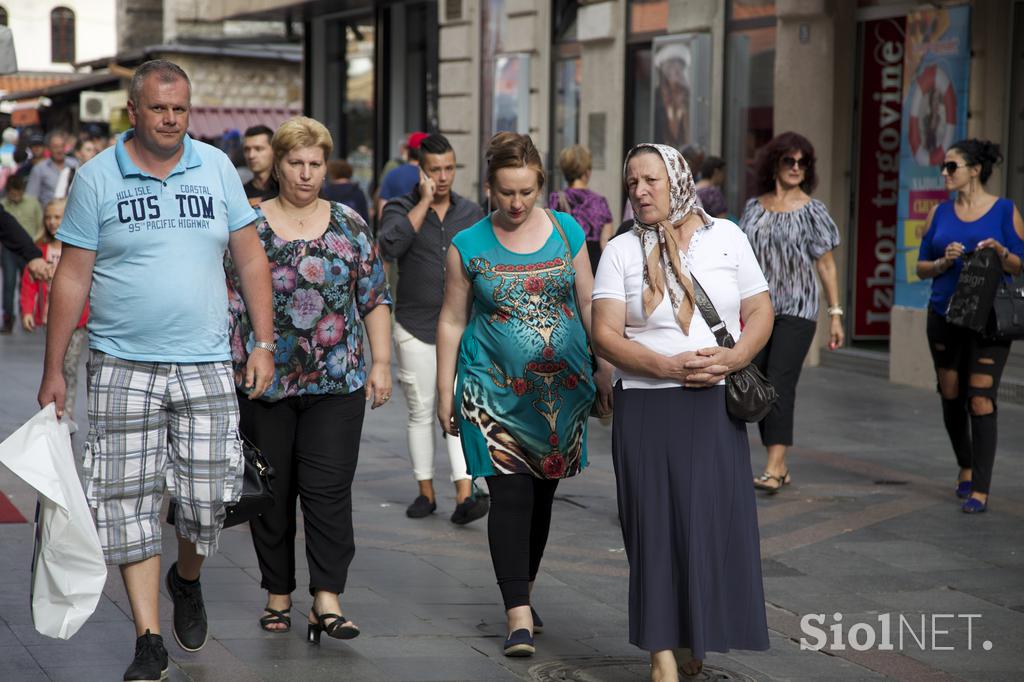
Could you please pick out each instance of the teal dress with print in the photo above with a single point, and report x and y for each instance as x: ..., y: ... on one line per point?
x: 525, y: 380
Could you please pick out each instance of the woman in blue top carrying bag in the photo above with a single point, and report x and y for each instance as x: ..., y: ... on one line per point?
x: 968, y: 364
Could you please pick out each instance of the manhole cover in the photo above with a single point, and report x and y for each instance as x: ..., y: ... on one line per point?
x: 615, y: 669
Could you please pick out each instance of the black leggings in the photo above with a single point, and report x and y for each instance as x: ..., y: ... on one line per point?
x: 978, y: 363
x: 312, y: 442
x: 781, y: 361
x: 517, y: 529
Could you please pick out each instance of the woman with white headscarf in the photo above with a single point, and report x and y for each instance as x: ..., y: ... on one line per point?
x: 682, y: 463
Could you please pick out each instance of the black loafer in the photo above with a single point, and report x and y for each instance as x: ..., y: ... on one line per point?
x: 420, y: 508
x: 190, y: 628
x: 470, y: 510
x: 150, y: 662
x: 519, y: 644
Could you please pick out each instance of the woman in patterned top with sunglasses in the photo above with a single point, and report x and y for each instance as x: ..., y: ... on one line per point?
x: 793, y: 237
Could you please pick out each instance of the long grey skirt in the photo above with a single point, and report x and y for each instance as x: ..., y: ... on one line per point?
x: 689, y: 521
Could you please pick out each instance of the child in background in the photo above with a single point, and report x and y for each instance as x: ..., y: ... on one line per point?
x: 35, y: 300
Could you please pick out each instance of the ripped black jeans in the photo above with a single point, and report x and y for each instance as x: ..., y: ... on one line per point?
x: 969, y: 367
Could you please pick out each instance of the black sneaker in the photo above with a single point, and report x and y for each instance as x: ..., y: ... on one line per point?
x: 470, y: 510
x: 150, y: 659
x: 420, y: 507
x: 190, y: 627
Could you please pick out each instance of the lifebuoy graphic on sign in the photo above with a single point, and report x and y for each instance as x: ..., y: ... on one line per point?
x: 932, y: 124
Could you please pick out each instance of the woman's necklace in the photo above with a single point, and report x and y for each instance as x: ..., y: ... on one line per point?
x: 302, y: 221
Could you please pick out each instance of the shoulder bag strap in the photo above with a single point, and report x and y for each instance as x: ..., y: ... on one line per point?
x: 707, y: 310
x: 568, y: 256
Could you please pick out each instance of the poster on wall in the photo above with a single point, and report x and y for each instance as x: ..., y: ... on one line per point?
x: 878, y: 176
x: 511, y: 104
x: 935, y: 75
x: 681, y: 90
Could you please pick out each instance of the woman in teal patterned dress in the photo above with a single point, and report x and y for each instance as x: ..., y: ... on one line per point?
x: 512, y: 332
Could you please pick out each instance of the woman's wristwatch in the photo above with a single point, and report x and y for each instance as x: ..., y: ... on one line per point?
x: 269, y: 347
x: 836, y: 309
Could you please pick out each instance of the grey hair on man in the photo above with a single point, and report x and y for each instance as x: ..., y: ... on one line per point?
x: 166, y: 71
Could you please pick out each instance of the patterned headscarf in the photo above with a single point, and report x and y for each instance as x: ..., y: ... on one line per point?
x: 662, y: 267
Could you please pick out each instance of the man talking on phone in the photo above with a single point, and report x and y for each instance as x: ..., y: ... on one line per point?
x: 416, y: 230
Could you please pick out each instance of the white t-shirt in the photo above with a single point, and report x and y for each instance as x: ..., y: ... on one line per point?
x: 719, y: 257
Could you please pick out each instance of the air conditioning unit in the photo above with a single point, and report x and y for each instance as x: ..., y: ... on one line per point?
x: 94, y: 106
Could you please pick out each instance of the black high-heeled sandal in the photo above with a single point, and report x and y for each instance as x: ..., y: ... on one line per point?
x: 275, y: 617
x: 339, y: 628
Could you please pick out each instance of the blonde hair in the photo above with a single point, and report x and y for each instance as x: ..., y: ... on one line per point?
x: 513, y: 150
x: 300, y: 131
x: 575, y: 162
x: 46, y: 237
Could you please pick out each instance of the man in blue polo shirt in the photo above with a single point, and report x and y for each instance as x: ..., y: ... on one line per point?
x: 146, y: 227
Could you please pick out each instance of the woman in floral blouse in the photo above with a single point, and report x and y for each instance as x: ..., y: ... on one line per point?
x: 329, y: 286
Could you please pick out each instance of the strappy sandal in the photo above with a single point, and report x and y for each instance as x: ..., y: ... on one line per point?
x: 275, y: 617
x: 339, y: 628
x: 762, y: 483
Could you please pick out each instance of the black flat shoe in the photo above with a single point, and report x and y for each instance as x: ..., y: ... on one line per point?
x: 420, y: 508
x: 519, y: 644
x: 470, y: 510
x: 339, y: 628
x: 275, y: 617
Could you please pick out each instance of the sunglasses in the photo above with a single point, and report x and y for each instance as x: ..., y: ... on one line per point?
x: 951, y: 166
x: 789, y: 162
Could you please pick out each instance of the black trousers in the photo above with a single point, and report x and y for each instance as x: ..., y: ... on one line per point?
x: 313, y: 444
x: 781, y: 360
x: 517, y: 530
x: 979, y: 364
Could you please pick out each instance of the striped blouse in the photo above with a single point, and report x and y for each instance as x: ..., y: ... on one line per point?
x: 787, y: 244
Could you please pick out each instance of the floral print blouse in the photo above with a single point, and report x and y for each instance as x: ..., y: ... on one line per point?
x: 322, y: 290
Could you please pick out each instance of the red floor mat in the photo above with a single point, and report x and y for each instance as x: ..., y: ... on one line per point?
x: 8, y: 512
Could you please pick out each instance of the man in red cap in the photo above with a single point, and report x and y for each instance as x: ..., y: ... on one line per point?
x: 406, y: 177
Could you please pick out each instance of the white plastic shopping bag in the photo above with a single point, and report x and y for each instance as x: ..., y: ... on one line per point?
x: 68, y: 571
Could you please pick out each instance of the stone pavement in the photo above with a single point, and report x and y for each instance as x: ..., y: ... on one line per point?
x: 869, y: 527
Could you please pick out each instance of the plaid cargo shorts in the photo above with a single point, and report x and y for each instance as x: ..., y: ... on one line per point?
x: 156, y: 426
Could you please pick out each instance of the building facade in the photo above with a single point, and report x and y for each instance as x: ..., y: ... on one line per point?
x: 51, y: 36
x: 721, y: 75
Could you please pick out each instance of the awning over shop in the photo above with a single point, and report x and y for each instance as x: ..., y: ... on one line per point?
x: 214, y: 121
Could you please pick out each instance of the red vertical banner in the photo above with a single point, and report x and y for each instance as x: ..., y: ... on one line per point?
x: 881, y: 98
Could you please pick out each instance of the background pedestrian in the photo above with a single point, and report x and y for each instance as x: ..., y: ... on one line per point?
x: 416, y: 230
x: 709, y: 187
x: 341, y: 189
x: 968, y: 365
x: 793, y: 237
x: 589, y: 208
x: 35, y: 302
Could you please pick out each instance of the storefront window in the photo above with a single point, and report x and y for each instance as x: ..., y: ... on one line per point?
x: 567, y: 110
x: 638, y: 101
x: 750, y: 96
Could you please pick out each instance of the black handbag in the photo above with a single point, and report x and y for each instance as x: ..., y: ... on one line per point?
x: 1007, y: 319
x: 257, y: 494
x: 971, y: 302
x: 748, y: 393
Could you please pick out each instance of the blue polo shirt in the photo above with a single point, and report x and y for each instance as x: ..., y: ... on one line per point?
x: 158, y: 286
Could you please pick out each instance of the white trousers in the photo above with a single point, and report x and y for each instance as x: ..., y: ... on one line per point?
x: 417, y: 373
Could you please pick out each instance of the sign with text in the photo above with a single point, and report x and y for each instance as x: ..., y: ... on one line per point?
x: 935, y: 73
x: 878, y: 177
